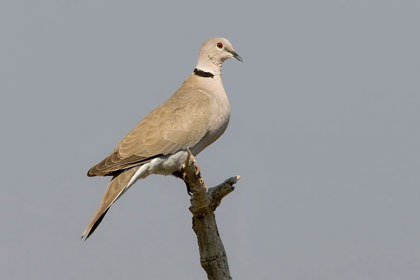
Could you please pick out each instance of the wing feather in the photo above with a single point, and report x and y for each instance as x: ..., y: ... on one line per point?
x: 179, y: 123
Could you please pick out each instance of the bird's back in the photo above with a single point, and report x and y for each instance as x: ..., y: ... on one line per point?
x: 193, y: 117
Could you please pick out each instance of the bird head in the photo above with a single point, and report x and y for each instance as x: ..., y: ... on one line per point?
x: 213, y: 52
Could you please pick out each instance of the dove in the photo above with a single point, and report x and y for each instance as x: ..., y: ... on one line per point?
x: 195, y: 116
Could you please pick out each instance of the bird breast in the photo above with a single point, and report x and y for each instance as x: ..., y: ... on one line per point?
x: 218, y: 120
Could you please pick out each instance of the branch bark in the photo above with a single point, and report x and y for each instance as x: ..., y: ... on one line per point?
x: 204, y: 202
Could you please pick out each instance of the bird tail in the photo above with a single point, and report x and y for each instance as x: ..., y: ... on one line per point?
x: 117, y: 186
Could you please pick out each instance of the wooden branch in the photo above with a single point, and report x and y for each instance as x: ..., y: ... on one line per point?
x: 204, y: 202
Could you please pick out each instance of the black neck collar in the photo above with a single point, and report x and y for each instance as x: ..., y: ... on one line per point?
x: 202, y: 73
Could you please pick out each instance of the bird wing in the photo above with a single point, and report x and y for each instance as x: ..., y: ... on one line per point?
x: 179, y: 123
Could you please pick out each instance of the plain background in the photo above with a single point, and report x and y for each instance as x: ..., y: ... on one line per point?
x: 324, y: 132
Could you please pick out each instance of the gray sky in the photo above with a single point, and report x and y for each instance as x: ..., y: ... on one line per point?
x: 324, y: 132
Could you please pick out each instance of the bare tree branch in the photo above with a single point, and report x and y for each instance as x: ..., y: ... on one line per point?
x: 204, y: 202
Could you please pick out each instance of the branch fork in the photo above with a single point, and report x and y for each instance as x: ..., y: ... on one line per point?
x: 204, y: 202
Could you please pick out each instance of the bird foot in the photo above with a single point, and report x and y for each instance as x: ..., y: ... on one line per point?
x: 181, y: 175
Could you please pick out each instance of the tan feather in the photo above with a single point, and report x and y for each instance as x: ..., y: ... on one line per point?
x: 179, y: 123
x: 115, y: 189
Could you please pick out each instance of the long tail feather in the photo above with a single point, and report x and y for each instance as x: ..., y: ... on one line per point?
x: 115, y: 189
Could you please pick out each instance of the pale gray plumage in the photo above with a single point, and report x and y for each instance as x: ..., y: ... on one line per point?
x: 193, y: 118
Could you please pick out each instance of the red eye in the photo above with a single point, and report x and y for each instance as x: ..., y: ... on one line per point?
x: 219, y: 45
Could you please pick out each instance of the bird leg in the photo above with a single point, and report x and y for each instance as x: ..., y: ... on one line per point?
x: 182, y: 174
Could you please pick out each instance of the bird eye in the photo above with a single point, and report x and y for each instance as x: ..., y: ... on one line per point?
x: 219, y: 45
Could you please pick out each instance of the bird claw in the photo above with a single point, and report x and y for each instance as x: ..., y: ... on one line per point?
x: 189, y: 192
x: 181, y: 174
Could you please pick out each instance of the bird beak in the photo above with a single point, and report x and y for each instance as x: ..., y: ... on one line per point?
x: 237, y: 56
